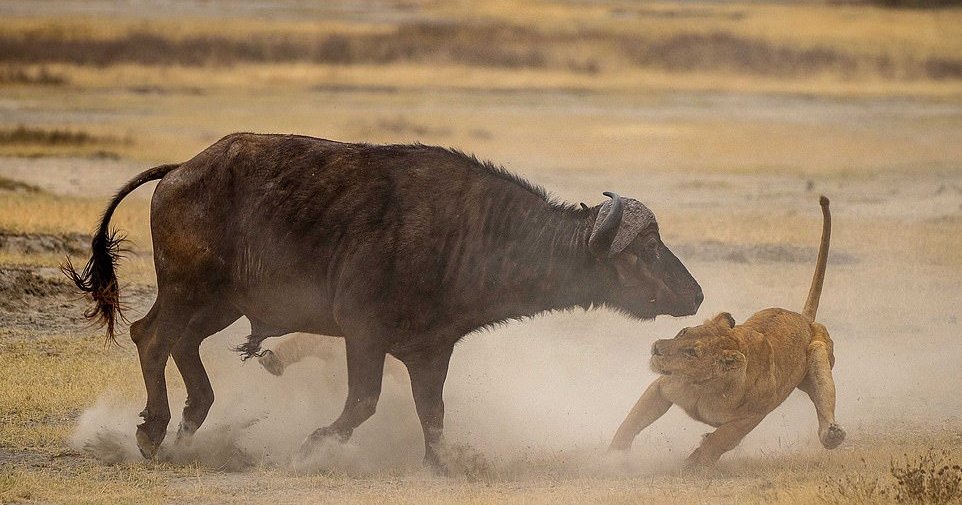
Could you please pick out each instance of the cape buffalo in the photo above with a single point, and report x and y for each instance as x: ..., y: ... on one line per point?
x: 400, y: 249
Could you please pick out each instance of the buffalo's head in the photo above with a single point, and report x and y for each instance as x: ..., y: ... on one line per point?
x: 651, y: 280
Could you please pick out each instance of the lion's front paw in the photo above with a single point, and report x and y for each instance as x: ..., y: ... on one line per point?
x: 832, y: 437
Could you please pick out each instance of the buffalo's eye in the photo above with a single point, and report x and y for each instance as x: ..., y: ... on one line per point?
x: 690, y: 352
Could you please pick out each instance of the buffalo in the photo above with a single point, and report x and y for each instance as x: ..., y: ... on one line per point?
x: 399, y: 249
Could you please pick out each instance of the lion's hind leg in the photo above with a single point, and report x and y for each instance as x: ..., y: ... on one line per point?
x: 820, y: 386
x: 647, y: 410
x: 295, y: 348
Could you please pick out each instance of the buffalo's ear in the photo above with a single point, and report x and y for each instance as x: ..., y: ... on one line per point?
x: 730, y: 360
x: 724, y: 319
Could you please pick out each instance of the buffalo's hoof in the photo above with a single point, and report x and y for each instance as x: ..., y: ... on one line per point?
x: 320, y: 436
x: 185, y: 433
x: 150, y: 434
x: 833, y: 436
x: 433, y: 463
x: 148, y: 447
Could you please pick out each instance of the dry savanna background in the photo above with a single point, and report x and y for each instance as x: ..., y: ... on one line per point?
x: 728, y: 119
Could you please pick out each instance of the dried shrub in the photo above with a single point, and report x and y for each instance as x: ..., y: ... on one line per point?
x: 24, y: 135
x: 929, y: 478
x: 853, y: 488
x: 41, y: 76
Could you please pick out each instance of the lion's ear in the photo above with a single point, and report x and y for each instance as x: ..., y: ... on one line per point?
x: 731, y: 360
x: 724, y: 319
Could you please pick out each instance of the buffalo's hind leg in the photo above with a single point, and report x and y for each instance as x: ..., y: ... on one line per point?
x: 186, y: 354
x: 365, y: 370
x: 428, y: 374
x: 153, y: 341
x: 178, y: 329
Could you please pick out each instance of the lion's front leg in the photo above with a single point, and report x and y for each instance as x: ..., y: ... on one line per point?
x: 722, y: 440
x: 820, y: 387
x: 647, y: 409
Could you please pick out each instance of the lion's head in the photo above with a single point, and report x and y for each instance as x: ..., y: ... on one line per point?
x: 699, y: 353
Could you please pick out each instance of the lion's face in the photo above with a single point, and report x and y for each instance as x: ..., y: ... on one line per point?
x: 699, y: 353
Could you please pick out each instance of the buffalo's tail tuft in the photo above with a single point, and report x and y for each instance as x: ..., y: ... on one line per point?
x: 98, y: 279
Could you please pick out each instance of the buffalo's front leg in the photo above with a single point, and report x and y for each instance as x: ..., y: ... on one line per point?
x: 427, y: 383
x: 365, y: 369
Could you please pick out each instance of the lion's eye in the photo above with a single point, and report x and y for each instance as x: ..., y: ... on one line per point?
x: 690, y: 352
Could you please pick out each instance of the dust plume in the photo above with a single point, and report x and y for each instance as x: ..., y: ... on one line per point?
x: 544, y: 396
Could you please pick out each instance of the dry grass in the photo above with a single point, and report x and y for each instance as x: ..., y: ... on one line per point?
x: 411, y: 77
x: 48, y: 213
x: 48, y: 382
x: 41, y: 212
x: 33, y: 141
x: 757, y: 40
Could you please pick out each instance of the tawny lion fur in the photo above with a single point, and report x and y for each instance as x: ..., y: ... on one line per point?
x: 299, y: 346
x: 731, y: 377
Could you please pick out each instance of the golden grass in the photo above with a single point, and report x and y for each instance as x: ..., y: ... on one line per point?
x: 47, y: 382
x: 849, y: 42
x: 863, y: 28
x: 48, y: 213
x: 93, y: 28
x: 254, y: 78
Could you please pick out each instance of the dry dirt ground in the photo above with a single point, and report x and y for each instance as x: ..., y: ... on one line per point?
x: 732, y: 163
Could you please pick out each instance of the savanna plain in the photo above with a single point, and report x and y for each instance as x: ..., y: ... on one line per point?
x: 727, y: 119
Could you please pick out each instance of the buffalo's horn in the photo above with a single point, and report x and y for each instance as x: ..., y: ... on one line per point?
x: 604, y: 234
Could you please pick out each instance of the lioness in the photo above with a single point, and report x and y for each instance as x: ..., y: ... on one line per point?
x: 731, y: 377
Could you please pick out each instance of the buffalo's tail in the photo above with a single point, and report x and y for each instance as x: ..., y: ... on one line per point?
x: 98, y: 279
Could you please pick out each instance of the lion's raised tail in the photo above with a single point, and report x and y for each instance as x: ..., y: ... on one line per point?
x: 811, y: 305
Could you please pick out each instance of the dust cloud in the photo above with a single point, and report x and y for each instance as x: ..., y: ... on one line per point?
x: 545, y: 395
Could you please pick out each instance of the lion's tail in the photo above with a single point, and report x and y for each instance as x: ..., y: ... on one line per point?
x: 811, y: 305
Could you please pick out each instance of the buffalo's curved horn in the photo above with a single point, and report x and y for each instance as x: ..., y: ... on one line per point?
x: 604, y: 234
